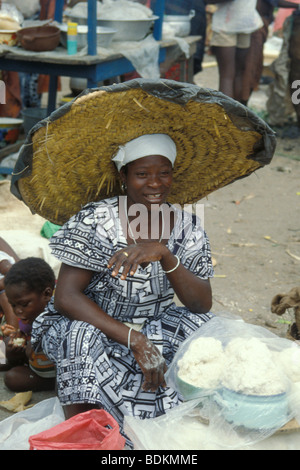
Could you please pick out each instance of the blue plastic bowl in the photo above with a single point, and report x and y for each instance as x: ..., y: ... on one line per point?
x: 253, y: 411
x: 188, y: 391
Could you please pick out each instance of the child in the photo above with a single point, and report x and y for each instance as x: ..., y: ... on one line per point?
x: 29, y: 286
x: 7, y: 259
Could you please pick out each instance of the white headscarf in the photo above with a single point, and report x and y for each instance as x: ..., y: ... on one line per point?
x: 149, y: 144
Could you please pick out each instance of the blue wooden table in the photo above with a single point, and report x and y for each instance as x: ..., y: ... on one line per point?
x: 92, y: 67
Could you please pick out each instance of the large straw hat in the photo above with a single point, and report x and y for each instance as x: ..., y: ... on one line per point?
x: 66, y: 160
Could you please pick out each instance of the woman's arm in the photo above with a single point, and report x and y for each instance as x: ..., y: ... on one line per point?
x: 4, y: 246
x: 193, y: 292
x: 8, y: 312
x: 71, y: 302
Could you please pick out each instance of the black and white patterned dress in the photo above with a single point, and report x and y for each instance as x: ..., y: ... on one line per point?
x: 92, y: 368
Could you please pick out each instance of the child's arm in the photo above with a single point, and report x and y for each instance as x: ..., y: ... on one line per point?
x: 29, y: 350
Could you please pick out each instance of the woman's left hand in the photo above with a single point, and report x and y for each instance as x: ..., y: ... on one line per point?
x: 132, y: 256
x: 150, y: 360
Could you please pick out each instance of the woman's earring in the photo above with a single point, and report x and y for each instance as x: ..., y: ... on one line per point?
x: 123, y: 187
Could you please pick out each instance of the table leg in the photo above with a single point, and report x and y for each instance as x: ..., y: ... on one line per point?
x: 52, y: 93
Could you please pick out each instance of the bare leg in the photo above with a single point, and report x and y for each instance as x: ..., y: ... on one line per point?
x: 22, y: 379
x: 226, y: 57
x: 240, y: 67
x: 72, y: 410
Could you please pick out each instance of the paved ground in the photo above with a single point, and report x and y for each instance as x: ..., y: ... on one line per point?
x: 5, y: 394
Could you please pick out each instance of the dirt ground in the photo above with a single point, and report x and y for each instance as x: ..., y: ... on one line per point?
x: 254, y: 229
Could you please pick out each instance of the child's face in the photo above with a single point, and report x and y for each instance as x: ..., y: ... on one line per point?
x: 27, y: 304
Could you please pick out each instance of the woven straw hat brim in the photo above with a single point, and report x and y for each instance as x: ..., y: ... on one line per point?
x: 66, y: 160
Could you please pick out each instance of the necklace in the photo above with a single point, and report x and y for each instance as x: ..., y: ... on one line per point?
x: 129, y: 227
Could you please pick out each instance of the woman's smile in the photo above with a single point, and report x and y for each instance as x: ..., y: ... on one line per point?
x: 148, y: 180
x: 154, y: 197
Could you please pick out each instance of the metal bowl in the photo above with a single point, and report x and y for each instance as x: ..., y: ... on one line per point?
x: 178, y: 25
x: 104, y: 35
x: 130, y: 30
x: 126, y: 30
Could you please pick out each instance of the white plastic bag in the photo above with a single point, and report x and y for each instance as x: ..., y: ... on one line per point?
x: 144, y: 56
x: 237, y: 16
x: 181, y: 429
x: 243, y: 377
x: 16, y: 430
x: 2, y: 352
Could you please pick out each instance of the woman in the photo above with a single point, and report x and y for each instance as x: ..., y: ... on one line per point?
x: 232, y: 25
x: 141, y: 147
x: 117, y: 280
x: 255, y: 57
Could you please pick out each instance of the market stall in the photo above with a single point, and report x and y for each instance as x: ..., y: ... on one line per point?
x: 92, y: 63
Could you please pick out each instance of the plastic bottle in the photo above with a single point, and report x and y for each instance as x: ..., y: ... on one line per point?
x: 72, y: 38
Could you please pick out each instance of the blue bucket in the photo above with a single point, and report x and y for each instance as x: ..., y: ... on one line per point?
x: 253, y: 412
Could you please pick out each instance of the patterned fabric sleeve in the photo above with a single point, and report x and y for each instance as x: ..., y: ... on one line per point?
x: 197, y: 253
x: 78, y: 244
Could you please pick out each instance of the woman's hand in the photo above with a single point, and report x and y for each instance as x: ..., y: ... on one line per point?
x: 192, y: 291
x: 150, y: 361
x: 132, y: 256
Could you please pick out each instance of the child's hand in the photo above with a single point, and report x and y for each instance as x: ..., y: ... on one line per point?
x: 7, y: 330
x: 17, y: 341
x: 16, y: 349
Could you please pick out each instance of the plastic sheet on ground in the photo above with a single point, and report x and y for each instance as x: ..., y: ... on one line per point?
x: 16, y: 430
x: 2, y: 353
x: 181, y: 429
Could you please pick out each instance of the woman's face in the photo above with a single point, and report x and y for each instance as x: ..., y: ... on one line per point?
x: 148, y: 180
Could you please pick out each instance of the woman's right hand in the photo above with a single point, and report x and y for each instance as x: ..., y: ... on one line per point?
x: 150, y: 361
